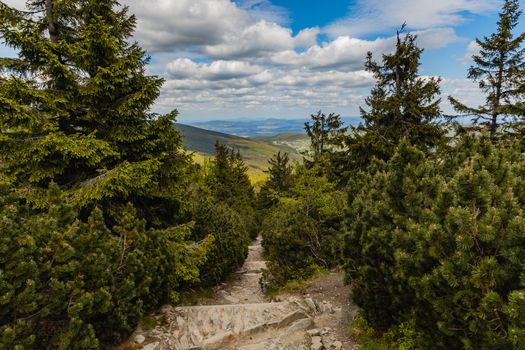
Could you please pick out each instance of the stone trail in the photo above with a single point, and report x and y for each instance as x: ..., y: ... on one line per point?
x: 241, y: 318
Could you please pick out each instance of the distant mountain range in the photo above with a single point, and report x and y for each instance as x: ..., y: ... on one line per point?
x: 259, y: 128
x: 255, y: 151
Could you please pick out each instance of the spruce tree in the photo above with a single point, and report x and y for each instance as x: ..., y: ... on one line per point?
x: 402, y: 105
x: 499, y: 68
x: 280, y: 180
x: 74, y: 107
x: 325, y: 133
x: 222, y: 173
x: 229, y: 179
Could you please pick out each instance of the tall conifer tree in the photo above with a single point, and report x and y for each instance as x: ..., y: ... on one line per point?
x: 74, y: 106
x: 402, y: 105
x: 325, y: 132
x: 280, y: 172
x: 498, y: 68
x: 280, y: 180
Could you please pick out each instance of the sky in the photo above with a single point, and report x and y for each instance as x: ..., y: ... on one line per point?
x: 258, y: 59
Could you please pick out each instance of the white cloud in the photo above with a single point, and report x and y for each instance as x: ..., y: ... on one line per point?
x: 265, y: 10
x: 344, y: 52
x: 217, y: 70
x: 261, y: 38
x: 437, y: 38
x: 17, y: 4
x: 376, y: 16
x: 237, y: 58
x: 472, y: 49
x: 217, y: 28
x: 256, y: 92
x: 349, y: 53
x: 166, y: 25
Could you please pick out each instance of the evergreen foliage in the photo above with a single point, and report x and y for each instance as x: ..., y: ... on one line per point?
x: 80, y: 264
x: 378, y: 217
x: 280, y: 180
x: 74, y: 109
x: 326, y: 132
x: 499, y: 69
x: 402, y: 105
x: 229, y: 180
x: 301, y: 232
x: 69, y: 284
x: 230, y: 184
x: 230, y: 240
x: 442, y: 248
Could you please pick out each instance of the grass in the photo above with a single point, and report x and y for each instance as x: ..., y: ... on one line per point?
x: 296, y: 284
x: 192, y: 297
x: 367, y: 337
x: 148, y: 323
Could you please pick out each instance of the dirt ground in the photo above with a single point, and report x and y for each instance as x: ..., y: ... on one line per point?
x: 329, y: 287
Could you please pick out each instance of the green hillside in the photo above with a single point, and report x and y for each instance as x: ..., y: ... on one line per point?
x: 299, y: 141
x: 255, y: 152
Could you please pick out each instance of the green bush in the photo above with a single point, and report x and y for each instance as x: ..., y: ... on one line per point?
x: 437, y: 242
x: 378, y: 216
x: 230, y: 243
x: 301, y: 233
x: 476, y: 235
x: 69, y: 284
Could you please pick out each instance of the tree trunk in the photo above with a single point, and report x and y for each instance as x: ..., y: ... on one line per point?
x: 495, y: 107
x: 51, y: 27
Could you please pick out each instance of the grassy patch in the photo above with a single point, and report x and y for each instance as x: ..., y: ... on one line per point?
x: 296, y: 284
x: 367, y: 337
x: 192, y: 297
x: 148, y: 323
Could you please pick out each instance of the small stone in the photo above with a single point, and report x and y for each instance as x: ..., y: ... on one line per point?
x: 317, y: 343
x: 151, y: 346
x: 216, y: 320
x: 139, y: 339
x: 311, y: 304
x: 337, y: 345
x: 314, y: 332
x: 327, y: 307
x: 231, y: 299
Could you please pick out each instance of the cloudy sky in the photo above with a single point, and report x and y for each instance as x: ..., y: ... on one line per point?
x: 254, y: 59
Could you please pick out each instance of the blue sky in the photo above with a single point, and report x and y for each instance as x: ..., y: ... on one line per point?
x: 254, y: 59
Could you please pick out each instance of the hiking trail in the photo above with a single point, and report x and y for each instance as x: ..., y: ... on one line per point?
x: 240, y: 316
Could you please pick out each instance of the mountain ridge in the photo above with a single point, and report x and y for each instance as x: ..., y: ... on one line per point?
x: 255, y: 151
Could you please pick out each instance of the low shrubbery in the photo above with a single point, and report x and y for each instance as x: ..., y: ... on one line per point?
x: 443, y: 247
x: 230, y: 240
x: 72, y: 284
x: 301, y: 232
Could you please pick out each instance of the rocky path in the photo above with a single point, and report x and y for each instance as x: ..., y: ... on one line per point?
x: 239, y: 316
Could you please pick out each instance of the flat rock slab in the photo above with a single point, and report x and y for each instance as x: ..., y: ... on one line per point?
x: 254, y: 266
x: 239, y: 317
x: 217, y: 326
